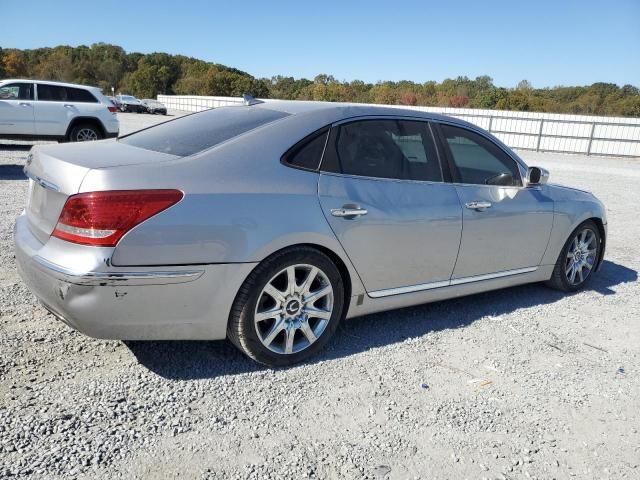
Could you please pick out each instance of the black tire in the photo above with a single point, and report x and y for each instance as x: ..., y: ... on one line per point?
x: 560, y: 278
x: 243, y: 331
x: 81, y: 132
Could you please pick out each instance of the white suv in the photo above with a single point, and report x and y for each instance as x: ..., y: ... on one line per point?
x: 40, y: 110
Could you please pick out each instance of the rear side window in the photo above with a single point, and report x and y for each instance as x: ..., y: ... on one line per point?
x: 80, y: 95
x: 394, y: 149
x: 16, y: 91
x: 308, y: 152
x: 52, y: 93
x: 199, y: 131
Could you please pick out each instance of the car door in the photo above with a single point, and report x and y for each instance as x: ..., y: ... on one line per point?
x: 16, y: 109
x: 381, y: 189
x: 506, y: 226
x: 53, y: 112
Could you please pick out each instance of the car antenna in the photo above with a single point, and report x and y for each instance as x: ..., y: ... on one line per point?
x: 250, y: 100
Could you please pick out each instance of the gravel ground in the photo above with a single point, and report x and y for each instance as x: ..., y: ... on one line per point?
x: 518, y: 383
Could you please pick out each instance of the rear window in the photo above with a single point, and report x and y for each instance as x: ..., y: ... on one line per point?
x: 51, y: 93
x: 194, y: 133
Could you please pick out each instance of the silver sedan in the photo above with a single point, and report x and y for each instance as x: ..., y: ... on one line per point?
x: 270, y: 223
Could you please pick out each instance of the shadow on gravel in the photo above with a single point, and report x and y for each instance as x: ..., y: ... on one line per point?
x: 14, y: 146
x: 182, y: 360
x: 12, y: 172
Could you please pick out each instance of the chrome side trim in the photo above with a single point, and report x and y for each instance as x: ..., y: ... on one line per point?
x: 149, y: 277
x: 43, y: 183
x: 410, y: 289
x: 449, y: 283
x: 491, y: 276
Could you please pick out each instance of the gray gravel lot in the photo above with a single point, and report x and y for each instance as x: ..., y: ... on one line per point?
x: 520, y: 383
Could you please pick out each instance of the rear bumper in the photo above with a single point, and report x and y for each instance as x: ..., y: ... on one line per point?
x: 112, y: 127
x: 170, y: 303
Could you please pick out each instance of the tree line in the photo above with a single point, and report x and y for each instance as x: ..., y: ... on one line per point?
x: 146, y: 75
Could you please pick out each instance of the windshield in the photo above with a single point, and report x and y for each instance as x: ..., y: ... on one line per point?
x: 199, y: 131
x: 127, y: 97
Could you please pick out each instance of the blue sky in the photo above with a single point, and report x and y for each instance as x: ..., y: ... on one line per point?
x: 559, y: 42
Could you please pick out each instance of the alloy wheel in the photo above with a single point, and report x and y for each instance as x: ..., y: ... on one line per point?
x: 86, y: 135
x: 581, y: 256
x: 294, y: 309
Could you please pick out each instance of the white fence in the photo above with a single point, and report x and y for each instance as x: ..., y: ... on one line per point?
x: 548, y: 132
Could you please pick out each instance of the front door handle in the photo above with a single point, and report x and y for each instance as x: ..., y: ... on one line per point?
x: 25, y: 104
x: 68, y: 106
x: 348, y: 212
x: 479, y: 206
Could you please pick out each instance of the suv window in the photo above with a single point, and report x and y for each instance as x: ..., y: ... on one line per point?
x: 51, y: 93
x: 80, y: 95
x: 478, y: 160
x: 308, y: 152
x: 398, y: 149
x: 16, y: 91
x: 196, y: 132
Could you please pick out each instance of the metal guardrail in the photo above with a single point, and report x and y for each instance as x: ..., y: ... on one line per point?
x: 539, y: 132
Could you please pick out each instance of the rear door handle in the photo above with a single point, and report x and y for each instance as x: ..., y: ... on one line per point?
x: 25, y: 104
x: 68, y: 106
x: 478, y: 205
x: 348, y: 212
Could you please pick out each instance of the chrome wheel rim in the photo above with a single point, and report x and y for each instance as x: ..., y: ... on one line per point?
x: 86, y: 135
x: 581, y: 256
x: 294, y: 309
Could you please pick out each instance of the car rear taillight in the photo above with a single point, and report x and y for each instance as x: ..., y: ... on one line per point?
x: 102, y: 218
x: 113, y: 109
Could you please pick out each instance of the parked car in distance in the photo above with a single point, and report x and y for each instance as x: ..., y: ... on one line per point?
x: 129, y: 103
x: 44, y: 110
x: 154, y: 106
x: 114, y: 101
x: 272, y: 222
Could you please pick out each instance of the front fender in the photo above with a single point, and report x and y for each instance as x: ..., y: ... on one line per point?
x: 571, y: 208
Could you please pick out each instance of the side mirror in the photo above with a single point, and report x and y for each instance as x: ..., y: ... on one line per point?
x: 537, y: 176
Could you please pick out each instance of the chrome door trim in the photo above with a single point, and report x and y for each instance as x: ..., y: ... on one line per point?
x: 143, y: 277
x: 491, y: 276
x: 410, y: 289
x: 449, y: 283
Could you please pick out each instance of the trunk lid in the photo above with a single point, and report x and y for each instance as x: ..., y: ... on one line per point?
x: 56, y: 171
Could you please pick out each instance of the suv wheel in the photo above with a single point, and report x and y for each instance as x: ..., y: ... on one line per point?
x: 288, y: 308
x: 85, y: 132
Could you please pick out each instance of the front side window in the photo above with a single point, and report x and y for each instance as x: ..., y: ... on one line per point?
x: 16, y: 91
x: 395, y: 149
x: 479, y: 161
x: 199, y: 131
x: 52, y: 93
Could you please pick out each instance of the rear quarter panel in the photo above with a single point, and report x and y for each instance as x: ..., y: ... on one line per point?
x: 241, y: 205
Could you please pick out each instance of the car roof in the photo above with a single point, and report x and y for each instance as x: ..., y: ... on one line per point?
x: 49, y: 82
x: 341, y: 110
